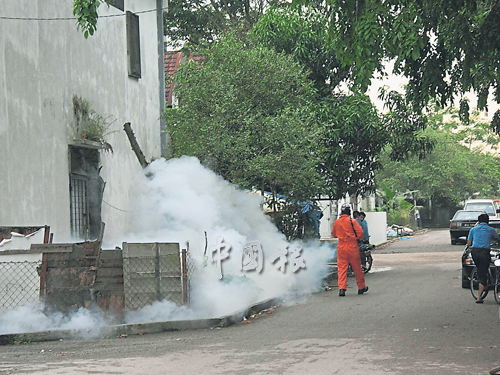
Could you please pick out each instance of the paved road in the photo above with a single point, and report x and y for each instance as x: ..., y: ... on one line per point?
x: 425, y: 241
x: 416, y: 319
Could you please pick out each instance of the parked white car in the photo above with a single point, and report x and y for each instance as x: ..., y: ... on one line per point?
x: 488, y: 205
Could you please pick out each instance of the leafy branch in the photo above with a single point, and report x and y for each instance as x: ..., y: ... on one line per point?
x: 86, y: 15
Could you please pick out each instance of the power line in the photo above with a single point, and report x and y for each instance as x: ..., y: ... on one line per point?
x: 116, y: 208
x: 71, y: 18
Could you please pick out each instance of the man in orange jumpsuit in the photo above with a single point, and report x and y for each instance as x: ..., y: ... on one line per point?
x: 348, y: 232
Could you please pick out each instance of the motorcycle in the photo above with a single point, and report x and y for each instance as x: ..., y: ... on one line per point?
x: 365, y: 250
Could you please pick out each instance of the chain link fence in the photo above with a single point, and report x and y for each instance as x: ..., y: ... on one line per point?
x: 19, y: 284
x: 156, y: 278
x: 146, y: 280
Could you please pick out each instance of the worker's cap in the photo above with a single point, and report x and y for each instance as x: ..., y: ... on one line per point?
x: 345, y: 208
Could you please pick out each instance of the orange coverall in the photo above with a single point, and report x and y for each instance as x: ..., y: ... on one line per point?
x: 348, y: 250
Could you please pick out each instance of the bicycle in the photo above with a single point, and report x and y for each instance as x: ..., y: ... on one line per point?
x: 493, y: 279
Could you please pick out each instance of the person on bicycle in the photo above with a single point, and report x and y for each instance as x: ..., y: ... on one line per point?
x: 348, y: 232
x: 479, y: 241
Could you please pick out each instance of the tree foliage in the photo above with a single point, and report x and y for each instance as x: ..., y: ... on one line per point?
x: 451, y: 173
x: 86, y: 15
x: 304, y: 36
x: 445, y: 48
x: 246, y: 113
x: 203, y: 22
x: 472, y: 131
x: 354, y: 134
x: 352, y: 131
x: 253, y: 116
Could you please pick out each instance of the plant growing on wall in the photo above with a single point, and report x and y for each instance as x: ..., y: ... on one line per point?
x: 90, y: 125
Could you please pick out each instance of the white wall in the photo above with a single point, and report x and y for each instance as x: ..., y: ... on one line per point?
x: 22, y: 242
x: 43, y: 64
x: 377, y: 227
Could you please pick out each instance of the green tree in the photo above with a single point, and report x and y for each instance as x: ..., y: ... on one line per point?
x: 304, y: 36
x: 473, y: 131
x: 450, y: 174
x: 353, y: 133
x: 246, y: 112
x: 86, y: 15
x: 445, y: 48
x: 202, y: 22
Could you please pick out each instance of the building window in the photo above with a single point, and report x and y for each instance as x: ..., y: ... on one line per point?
x: 133, y: 45
x: 117, y: 4
x: 86, y: 188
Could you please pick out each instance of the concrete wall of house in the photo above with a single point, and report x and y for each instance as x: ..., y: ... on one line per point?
x: 43, y: 64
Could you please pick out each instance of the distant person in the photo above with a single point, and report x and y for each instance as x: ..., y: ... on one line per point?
x: 348, y: 232
x: 364, y: 226
x: 418, y: 219
x: 356, y: 215
x: 479, y: 241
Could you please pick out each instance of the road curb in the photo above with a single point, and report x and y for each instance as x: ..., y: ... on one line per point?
x: 123, y: 330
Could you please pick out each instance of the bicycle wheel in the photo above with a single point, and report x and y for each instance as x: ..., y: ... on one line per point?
x: 367, y: 265
x: 497, y: 286
x: 474, y: 285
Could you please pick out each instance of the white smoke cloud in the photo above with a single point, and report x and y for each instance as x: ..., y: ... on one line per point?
x: 182, y: 202
x: 35, y: 318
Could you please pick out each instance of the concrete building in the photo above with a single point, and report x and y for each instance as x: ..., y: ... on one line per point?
x: 63, y: 102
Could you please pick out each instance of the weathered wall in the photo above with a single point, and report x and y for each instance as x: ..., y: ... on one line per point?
x: 43, y: 64
x: 77, y: 275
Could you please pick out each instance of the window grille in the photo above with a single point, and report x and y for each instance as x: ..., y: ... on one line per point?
x: 79, y: 206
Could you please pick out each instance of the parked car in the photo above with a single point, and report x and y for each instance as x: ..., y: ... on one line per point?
x: 468, y: 263
x: 489, y: 205
x: 461, y: 223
